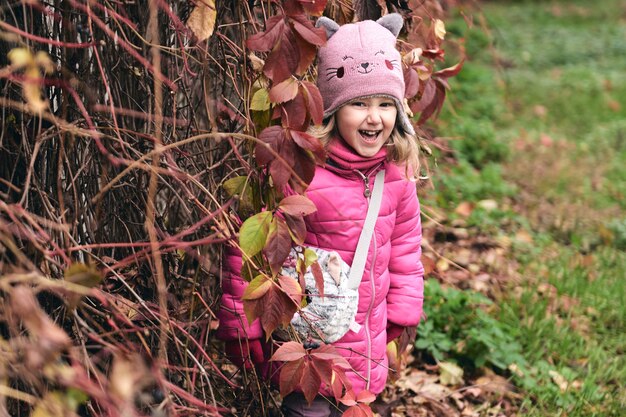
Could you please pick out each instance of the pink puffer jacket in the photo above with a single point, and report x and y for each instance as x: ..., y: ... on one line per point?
x: 392, y: 285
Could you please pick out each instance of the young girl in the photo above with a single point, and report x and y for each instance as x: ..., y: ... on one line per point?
x: 365, y: 130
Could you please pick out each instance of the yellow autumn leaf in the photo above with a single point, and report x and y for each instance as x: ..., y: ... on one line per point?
x: 559, y: 380
x: 440, y: 29
x: 23, y: 58
x: 260, y: 100
x: 43, y: 60
x: 442, y: 265
x: 202, y: 19
x: 32, y: 90
x: 256, y: 62
x: 413, y: 57
x: 20, y: 57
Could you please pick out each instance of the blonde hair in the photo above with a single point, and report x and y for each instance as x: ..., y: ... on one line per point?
x: 403, y: 148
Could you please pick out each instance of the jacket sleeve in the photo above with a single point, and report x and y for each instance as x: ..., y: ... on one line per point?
x: 233, y: 322
x: 406, y: 291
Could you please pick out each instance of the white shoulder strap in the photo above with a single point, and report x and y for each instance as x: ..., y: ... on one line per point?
x: 360, y: 255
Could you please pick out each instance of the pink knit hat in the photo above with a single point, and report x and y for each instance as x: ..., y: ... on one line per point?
x: 361, y: 60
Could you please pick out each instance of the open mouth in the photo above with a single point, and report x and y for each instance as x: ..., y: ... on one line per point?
x: 369, y: 136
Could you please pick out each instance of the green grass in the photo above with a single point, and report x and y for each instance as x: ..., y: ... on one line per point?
x: 552, y: 81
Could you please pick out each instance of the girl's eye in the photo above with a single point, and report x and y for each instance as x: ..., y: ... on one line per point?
x: 358, y: 103
x: 387, y: 104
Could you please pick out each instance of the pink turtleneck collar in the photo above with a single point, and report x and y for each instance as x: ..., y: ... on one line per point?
x: 342, y: 159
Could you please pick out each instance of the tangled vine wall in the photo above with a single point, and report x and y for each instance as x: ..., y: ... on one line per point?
x: 121, y: 124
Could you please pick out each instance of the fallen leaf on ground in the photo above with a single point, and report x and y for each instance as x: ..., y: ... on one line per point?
x: 450, y: 373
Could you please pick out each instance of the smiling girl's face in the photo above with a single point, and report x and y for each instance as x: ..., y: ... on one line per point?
x: 365, y: 124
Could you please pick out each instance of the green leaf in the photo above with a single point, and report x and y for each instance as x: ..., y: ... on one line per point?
x: 253, y: 233
x: 243, y: 187
x: 75, y: 397
x: 257, y: 288
x: 310, y: 257
x: 260, y: 100
x: 83, y: 274
x: 235, y: 185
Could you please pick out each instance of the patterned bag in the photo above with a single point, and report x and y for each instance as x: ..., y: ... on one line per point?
x: 328, y: 318
x: 324, y: 319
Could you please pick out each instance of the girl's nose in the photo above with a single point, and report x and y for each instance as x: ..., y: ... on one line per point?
x: 373, y: 115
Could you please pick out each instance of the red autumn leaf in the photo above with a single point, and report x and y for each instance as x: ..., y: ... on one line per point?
x: 294, y: 113
x: 278, y: 244
x: 283, y: 61
x: 252, y: 309
x: 315, y: 104
x: 451, y: 71
x: 428, y: 263
x: 310, y: 382
x: 316, y: 270
x: 434, y: 53
x: 436, y: 104
x: 297, y: 228
x: 412, y: 82
x: 365, y: 397
x: 264, y: 41
x: 326, y: 353
x: 427, y: 112
x: 324, y: 369
x: 349, y: 399
x: 289, y: 351
x: 313, y: 7
x: 359, y: 410
x: 297, y: 205
x: 281, y: 168
x: 272, y: 138
x: 443, y: 82
x: 304, y: 27
x: 428, y: 95
x: 304, y: 168
x: 51, y: 339
x: 291, y: 375
x: 292, y: 288
x: 337, y: 384
x: 278, y: 308
x: 309, y: 143
x: 307, y: 52
x: 280, y: 173
x: 284, y: 91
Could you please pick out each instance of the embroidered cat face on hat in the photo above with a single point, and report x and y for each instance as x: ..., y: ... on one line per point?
x: 361, y: 60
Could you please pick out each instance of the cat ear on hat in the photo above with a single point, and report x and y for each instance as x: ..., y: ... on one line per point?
x: 393, y: 22
x: 329, y: 25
